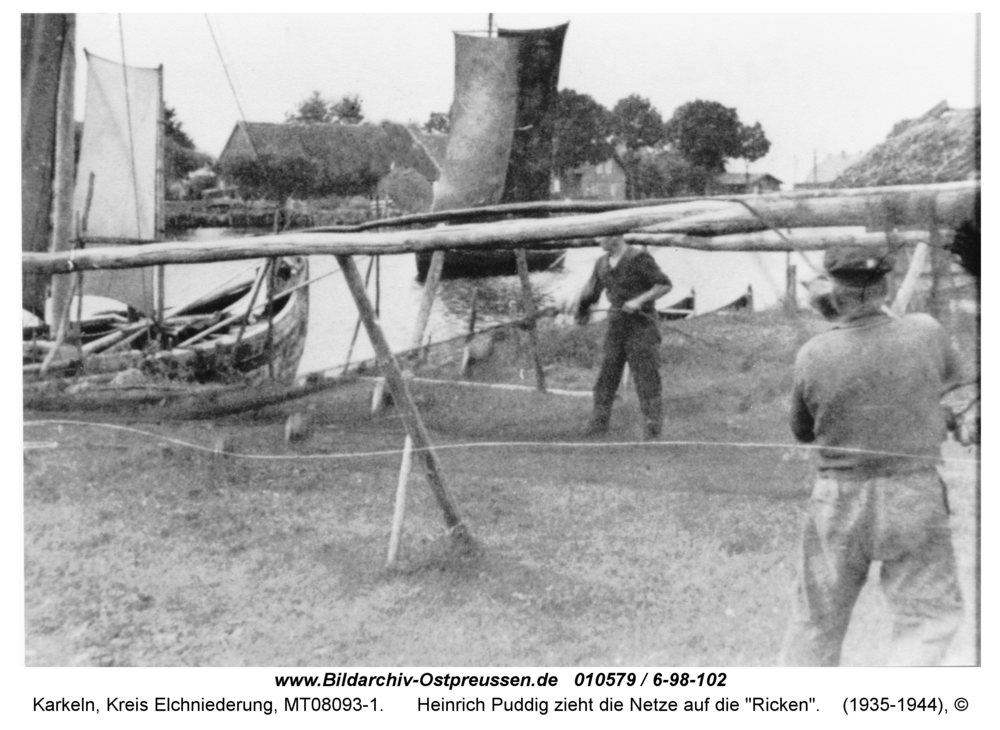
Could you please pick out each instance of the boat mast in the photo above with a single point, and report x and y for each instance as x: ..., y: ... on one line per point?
x: 63, y: 174
x: 159, y: 217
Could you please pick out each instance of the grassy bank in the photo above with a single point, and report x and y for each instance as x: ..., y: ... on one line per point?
x: 143, y: 547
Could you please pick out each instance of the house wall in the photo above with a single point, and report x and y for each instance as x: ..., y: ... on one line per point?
x: 605, y: 181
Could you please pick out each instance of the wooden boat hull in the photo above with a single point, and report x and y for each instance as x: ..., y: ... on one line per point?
x: 264, y: 354
x: 488, y: 263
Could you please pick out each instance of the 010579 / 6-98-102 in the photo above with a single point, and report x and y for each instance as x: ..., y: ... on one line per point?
x: 659, y: 679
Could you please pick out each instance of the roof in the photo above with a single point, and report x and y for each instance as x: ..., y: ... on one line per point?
x: 941, y: 146
x: 340, y: 145
x: 739, y: 178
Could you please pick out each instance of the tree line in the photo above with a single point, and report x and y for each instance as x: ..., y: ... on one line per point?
x: 661, y: 158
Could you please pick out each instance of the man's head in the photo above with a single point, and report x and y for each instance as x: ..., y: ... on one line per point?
x: 611, y: 244
x: 858, y: 266
x: 858, y: 275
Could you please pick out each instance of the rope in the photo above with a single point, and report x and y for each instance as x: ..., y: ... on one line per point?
x: 756, y: 214
x: 229, y: 80
x: 491, y: 445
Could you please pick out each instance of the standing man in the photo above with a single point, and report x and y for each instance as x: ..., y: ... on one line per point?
x: 633, y: 282
x: 867, y: 393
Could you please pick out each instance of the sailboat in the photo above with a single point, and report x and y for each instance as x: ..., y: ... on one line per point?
x: 500, y: 145
x: 111, y: 337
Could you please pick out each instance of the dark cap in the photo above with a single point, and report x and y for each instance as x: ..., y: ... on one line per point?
x: 858, y: 265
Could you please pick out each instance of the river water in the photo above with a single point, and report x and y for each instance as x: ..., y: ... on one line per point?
x: 716, y: 278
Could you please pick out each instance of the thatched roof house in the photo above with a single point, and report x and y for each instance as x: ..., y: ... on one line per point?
x: 350, y: 152
x: 940, y: 146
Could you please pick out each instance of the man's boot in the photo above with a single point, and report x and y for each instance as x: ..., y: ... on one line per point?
x: 653, y: 412
x: 599, y: 421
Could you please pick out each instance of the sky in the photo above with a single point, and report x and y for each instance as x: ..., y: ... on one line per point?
x: 818, y: 83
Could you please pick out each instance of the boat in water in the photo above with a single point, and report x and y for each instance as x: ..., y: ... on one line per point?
x: 500, y: 145
x: 102, y: 336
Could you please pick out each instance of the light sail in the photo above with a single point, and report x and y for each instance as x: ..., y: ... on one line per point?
x: 118, y: 153
x: 119, y: 147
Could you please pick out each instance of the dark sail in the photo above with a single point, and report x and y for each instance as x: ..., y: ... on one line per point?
x: 500, y: 145
x: 530, y: 166
x: 43, y: 37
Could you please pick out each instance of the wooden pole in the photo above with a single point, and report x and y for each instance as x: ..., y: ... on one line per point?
x: 357, y: 325
x: 791, y: 296
x: 430, y: 291
x: 160, y: 198
x: 404, y: 400
x: 938, y: 304
x: 63, y: 326
x: 261, y: 277
x: 400, y: 509
x: 955, y: 203
x: 529, y: 312
x: 917, y: 263
x: 63, y: 173
x: 272, y: 281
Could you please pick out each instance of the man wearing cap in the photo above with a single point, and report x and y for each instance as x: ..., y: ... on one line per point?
x: 867, y: 394
x: 633, y: 282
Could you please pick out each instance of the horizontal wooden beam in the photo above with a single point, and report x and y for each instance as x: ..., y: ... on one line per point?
x: 881, y: 209
x: 797, y: 239
x: 902, y: 206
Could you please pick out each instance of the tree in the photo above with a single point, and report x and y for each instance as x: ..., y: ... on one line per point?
x: 271, y: 177
x: 408, y: 189
x: 438, y: 122
x: 180, y: 157
x: 313, y: 110
x: 582, y: 128
x: 706, y: 134
x: 665, y: 174
x: 635, y: 125
x: 347, y: 110
x: 754, y: 144
x: 172, y: 129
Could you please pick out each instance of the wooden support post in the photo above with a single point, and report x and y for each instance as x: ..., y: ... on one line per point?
x: 938, y: 301
x: 400, y: 510
x: 430, y: 291
x: 403, y: 400
x: 529, y: 312
x: 272, y: 282
x: 62, y: 328
x: 378, y: 286
x: 261, y: 277
x: 791, y: 296
x: 357, y: 325
x: 917, y: 263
